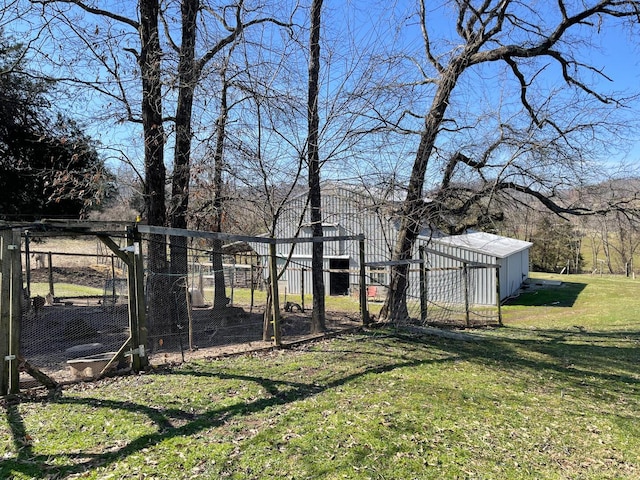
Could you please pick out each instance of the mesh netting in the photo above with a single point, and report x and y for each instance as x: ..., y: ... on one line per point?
x: 447, y: 298
x: 215, y: 299
x: 74, y: 308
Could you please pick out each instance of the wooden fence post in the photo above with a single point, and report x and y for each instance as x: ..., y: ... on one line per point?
x: 50, y: 269
x: 141, y: 300
x: 364, y: 313
x: 5, y: 302
x: 27, y: 262
x: 15, y: 307
x: 273, y: 274
x: 137, y: 305
x: 253, y: 286
x: 133, y: 301
x: 423, y: 285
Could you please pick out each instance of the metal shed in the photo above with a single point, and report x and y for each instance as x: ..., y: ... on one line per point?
x: 349, y: 210
x: 509, y: 254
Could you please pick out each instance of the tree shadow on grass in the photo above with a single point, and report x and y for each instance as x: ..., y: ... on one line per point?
x: 577, y: 358
x: 574, y: 356
x: 541, y: 293
x: 171, y: 422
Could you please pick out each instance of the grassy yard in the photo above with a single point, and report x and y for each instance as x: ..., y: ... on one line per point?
x: 554, y: 394
x: 65, y: 290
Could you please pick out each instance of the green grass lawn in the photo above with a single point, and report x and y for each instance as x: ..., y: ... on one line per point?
x: 555, y: 394
x: 65, y: 290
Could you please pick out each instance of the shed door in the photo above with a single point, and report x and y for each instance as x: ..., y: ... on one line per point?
x: 339, y: 280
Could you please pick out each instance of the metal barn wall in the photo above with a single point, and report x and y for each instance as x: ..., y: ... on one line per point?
x: 514, y: 270
x: 483, y: 281
x: 345, y: 212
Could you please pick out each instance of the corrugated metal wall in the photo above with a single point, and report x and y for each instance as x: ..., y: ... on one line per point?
x: 482, y: 281
x: 351, y: 211
x: 346, y: 211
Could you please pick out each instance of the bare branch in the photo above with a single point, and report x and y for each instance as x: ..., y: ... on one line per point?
x: 93, y: 10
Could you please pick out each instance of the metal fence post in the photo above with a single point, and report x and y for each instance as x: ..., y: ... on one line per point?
x: 302, y: 272
x: 465, y: 273
x: 498, y: 302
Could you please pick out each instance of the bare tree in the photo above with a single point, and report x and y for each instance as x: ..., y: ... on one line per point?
x: 190, y: 70
x: 206, y: 31
x: 617, y: 231
x: 511, y: 33
x: 313, y: 159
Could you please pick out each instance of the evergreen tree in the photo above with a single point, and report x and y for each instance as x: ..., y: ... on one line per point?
x: 555, y: 246
x: 48, y: 166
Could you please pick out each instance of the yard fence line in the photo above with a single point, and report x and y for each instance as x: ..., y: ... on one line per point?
x: 175, y: 315
x: 50, y: 339
x: 443, y: 295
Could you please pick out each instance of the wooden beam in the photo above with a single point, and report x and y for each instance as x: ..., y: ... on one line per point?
x: 5, y: 302
x: 115, y: 248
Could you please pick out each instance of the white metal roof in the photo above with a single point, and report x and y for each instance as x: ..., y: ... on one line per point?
x: 487, y: 243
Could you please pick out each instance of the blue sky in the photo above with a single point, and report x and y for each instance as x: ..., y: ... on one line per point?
x: 374, y: 24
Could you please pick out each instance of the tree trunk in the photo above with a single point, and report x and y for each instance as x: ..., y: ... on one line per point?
x: 187, y: 76
x: 413, y: 208
x: 220, y: 294
x: 315, y: 197
x: 155, y: 172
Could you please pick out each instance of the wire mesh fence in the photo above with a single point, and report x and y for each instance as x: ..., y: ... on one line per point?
x: 207, y: 299
x: 451, y: 300
x: 436, y: 296
x: 84, y: 305
x: 75, y: 314
x: 105, y: 299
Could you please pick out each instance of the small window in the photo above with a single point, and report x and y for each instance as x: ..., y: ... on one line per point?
x: 377, y: 276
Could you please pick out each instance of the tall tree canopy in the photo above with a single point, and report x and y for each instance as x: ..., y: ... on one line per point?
x: 473, y: 104
x: 536, y: 137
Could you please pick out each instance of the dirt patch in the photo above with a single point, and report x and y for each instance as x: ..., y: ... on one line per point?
x: 88, y: 276
x: 51, y: 333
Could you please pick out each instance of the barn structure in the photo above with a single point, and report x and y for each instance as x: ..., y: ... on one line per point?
x: 352, y: 210
x: 347, y: 210
x: 509, y: 256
